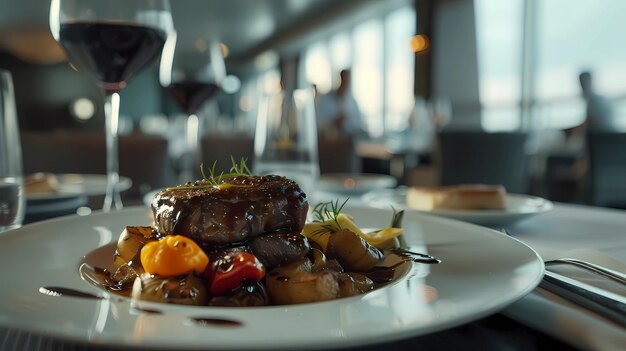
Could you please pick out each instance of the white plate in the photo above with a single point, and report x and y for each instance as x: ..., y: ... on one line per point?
x: 72, y: 185
x: 354, y: 183
x: 482, y: 271
x: 518, y: 207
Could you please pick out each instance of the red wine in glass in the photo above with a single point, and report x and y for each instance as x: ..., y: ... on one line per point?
x: 110, y: 52
x: 190, y: 95
x: 109, y: 41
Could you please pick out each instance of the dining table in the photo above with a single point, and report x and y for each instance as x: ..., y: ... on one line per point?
x: 540, y: 320
x: 543, y: 320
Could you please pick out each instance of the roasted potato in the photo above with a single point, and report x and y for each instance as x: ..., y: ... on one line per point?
x: 183, y: 290
x: 351, y: 284
x: 132, y: 239
x: 352, y: 251
x: 295, y: 283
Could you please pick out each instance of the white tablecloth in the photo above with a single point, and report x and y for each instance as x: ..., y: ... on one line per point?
x: 572, y: 227
x: 593, y: 234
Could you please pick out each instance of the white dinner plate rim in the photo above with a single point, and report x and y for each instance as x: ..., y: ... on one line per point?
x: 384, y: 197
x: 534, y: 273
x: 124, y: 184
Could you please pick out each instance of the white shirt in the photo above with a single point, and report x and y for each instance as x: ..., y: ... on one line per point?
x: 329, y: 106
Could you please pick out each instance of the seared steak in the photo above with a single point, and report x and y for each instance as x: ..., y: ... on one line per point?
x: 241, y: 209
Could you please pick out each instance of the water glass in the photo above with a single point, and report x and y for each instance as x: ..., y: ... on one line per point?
x: 285, y: 141
x: 12, y: 200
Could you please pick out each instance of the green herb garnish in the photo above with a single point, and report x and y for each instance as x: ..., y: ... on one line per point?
x: 241, y: 169
x: 396, y: 222
x: 214, y: 181
x: 325, y: 211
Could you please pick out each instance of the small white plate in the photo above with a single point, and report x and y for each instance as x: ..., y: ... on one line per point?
x: 481, y: 272
x: 73, y: 185
x: 354, y: 183
x: 519, y: 207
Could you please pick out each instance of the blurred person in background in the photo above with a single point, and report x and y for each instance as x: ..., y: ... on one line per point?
x: 337, y: 111
x: 599, y: 115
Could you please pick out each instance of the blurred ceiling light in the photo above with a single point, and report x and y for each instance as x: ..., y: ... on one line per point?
x: 245, y: 103
x: 270, y: 82
x: 225, y: 50
x: 34, y: 45
x: 201, y: 45
x: 231, y: 84
x: 266, y: 60
x: 83, y: 109
x: 419, y: 43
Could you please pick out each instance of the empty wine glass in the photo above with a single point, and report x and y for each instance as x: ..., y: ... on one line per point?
x: 110, y: 41
x: 11, y: 178
x: 285, y: 140
x: 192, y: 77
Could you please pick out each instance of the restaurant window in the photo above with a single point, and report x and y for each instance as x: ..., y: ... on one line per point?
x: 586, y: 39
x: 367, y: 75
x: 399, y: 62
x: 340, y: 47
x: 560, y: 48
x: 382, y: 65
x: 317, y: 67
x: 499, y: 44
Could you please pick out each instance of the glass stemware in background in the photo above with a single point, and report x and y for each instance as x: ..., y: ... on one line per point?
x: 285, y: 141
x: 11, y: 179
x: 441, y: 111
x: 109, y: 41
x: 192, y: 77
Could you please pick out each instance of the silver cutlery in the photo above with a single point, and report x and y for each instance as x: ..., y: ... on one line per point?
x: 605, y: 303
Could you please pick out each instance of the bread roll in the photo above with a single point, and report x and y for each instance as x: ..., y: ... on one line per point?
x: 460, y: 197
x: 41, y: 183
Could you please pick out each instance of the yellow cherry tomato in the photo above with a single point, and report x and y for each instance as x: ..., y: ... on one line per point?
x: 173, y: 255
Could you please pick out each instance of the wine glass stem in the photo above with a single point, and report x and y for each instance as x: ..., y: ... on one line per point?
x: 111, y: 116
x: 193, y: 145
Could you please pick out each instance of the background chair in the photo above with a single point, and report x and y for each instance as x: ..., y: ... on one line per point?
x: 486, y: 158
x: 338, y: 155
x: 220, y: 148
x: 143, y: 158
x: 607, y: 169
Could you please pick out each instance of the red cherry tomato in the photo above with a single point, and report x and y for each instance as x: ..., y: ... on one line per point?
x: 226, y: 274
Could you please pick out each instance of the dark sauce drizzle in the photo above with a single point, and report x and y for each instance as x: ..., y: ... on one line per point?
x: 146, y: 310
x: 216, y: 322
x: 415, y: 256
x: 101, y: 277
x: 57, y: 291
x: 381, y: 275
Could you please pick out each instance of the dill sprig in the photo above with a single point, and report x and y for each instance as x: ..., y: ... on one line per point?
x: 328, y: 211
x: 396, y: 218
x: 213, y: 180
x: 241, y: 168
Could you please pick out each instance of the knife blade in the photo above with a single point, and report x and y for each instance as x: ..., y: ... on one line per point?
x: 605, y: 303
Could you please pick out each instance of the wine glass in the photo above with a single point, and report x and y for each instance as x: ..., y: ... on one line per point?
x: 110, y: 41
x: 192, y: 77
x: 12, y: 197
x: 285, y: 139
